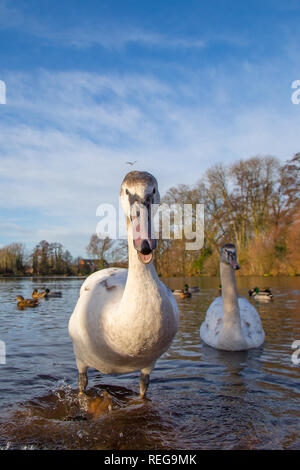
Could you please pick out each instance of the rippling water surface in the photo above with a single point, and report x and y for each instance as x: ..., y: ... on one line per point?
x: 199, y: 398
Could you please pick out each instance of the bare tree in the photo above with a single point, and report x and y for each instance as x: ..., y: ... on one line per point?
x: 12, y: 259
x: 119, y: 251
x: 98, y: 246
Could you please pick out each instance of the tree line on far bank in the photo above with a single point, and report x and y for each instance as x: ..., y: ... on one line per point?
x: 48, y: 259
x: 253, y: 203
x: 45, y: 259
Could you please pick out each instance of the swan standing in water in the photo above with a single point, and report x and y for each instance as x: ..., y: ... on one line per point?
x: 231, y: 322
x: 125, y: 320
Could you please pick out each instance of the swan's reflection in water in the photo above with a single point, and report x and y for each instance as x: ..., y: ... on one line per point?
x: 234, y: 363
x: 235, y: 409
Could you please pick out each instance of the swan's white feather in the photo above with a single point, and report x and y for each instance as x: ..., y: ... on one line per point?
x: 114, y: 343
x: 252, y: 330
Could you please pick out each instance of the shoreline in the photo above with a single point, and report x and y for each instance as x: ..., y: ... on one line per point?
x: 57, y: 276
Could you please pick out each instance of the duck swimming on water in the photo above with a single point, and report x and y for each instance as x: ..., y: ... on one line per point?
x: 52, y: 294
x: 186, y: 292
x: 264, y: 294
x: 38, y: 295
x: 23, y: 303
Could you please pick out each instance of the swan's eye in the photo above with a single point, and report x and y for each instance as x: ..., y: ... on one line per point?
x: 138, y: 213
x: 153, y: 190
x: 127, y: 192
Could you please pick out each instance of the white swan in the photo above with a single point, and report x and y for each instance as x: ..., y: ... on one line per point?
x: 231, y: 322
x: 125, y: 320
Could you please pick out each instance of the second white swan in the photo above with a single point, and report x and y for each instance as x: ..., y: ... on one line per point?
x: 231, y: 322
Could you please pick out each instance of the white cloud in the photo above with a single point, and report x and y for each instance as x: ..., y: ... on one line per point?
x: 114, y: 37
x: 111, y: 35
x: 68, y: 136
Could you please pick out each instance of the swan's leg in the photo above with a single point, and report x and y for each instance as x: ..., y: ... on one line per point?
x: 82, y: 382
x: 145, y: 379
x: 82, y: 377
x: 144, y: 382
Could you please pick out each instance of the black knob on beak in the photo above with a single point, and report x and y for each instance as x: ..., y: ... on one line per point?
x: 145, y: 248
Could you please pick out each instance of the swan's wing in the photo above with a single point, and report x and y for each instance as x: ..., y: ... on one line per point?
x: 102, y: 290
x: 212, y: 325
x: 251, y: 324
x: 112, y: 276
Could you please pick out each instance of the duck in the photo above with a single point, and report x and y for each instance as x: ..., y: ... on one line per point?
x: 26, y: 302
x: 125, y: 319
x: 52, y: 294
x: 263, y: 294
x: 183, y: 293
x: 38, y: 295
x: 231, y: 322
x: 186, y: 289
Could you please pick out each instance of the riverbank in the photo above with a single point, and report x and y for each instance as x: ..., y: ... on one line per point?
x: 58, y: 276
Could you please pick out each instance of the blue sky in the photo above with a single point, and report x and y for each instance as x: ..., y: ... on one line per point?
x: 176, y: 85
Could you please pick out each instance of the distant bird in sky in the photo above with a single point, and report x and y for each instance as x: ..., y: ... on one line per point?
x: 131, y: 163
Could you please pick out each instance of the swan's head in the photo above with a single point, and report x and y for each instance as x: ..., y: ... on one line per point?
x: 228, y: 255
x: 139, y: 191
x: 20, y: 298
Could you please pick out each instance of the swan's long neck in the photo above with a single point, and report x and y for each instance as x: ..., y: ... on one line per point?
x: 142, y: 280
x: 231, y: 309
x: 138, y: 272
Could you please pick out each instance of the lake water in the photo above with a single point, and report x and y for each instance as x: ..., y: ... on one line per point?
x: 199, y: 398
